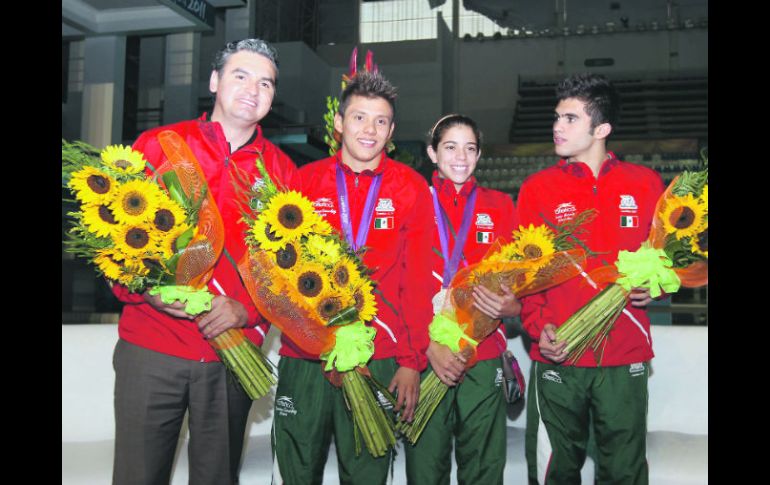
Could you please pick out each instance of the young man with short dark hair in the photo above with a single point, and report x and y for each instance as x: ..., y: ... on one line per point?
x: 564, y: 399
x: 384, y: 206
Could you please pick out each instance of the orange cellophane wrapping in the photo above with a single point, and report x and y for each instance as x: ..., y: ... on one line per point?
x: 281, y: 304
x: 196, y: 264
x: 521, y: 277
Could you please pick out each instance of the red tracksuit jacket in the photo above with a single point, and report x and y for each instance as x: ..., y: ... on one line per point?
x: 494, y: 216
x: 624, y: 195
x: 396, y: 251
x: 141, y: 324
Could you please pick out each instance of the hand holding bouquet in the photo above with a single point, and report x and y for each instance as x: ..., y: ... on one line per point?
x: 305, y: 279
x: 675, y: 254
x: 162, y: 238
x: 538, y: 258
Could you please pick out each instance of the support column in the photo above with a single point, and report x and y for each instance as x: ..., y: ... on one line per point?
x: 103, y: 85
x: 180, y: 93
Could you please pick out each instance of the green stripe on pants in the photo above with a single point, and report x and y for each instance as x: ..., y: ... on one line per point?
x: 473, y: 413
x: 566, y: 400
x: 308, y: 412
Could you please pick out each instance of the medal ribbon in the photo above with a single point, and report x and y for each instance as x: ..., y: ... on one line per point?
x: 366, y: 216
x: 451, y: 263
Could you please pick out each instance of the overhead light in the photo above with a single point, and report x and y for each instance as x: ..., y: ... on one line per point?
x: 580, y: 30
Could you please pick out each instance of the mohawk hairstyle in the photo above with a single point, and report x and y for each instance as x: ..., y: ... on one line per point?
x: 369, y: 85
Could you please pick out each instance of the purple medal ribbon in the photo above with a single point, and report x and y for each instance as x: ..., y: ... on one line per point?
x: 451, y: 265
x: 366, y: 216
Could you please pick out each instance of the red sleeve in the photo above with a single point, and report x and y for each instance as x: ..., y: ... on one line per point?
x: 535, y: 312
x: 122, y: 293
x: 415, y: 290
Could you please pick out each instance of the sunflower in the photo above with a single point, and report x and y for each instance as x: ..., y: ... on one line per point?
x: 329, y: 304
x: 704, y: 197
x: 345, y: 273
x: 135, y: 240
x: 683, y: 216
x: 700, y: 243
x: 136, y: 202
x: 265, y: 236
x: 324, y: 250
x: 168, y: 245
x: 99, y: 219
x: 123, y: 159
x: 168, y: 214
x: 311, y: 280
x: 108, y: 262
x: 288, y: 257
x: 533, y: 242
x: 508, y: 252
x: 365, y: 302
x: 322, y: 227
x: 92, y: 186
x: 290, y: 215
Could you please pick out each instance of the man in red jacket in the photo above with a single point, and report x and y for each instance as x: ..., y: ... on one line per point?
x: 564, y: 399
x: 164, y: 363
x: 382, y: 205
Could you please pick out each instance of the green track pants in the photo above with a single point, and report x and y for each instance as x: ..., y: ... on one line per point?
x: 563, y: 401
x: 472, y: 415
x: 309, y: 411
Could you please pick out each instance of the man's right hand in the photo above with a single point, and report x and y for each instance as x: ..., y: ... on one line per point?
x: 448, y: 366
x: 548, y: 346
x: 175, y: 309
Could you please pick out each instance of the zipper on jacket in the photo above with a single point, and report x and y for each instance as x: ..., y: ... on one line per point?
x: 455, y: 200
x: 595, y: 189
x: 356, y: 181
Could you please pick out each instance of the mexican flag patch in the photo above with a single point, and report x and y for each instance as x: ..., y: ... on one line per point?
x: 629, y: 221
x: 484, y: 237
x: 383, y: 222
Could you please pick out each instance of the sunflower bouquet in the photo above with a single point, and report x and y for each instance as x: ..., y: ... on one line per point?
x: 162, y: 238
x: 674, y: 255
x: 537, y: 258
x: 306, y: 280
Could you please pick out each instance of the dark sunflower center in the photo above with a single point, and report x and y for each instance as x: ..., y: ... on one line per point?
x: 310, y: 284
x: 703, y: 241
x: 151, y: 264
x: 137, y: 238
x: 290, y: 216
x: 287, y: 257
x: 532, y: 251
x: 358, y: 296
x: 683, y: 218
x: 329, y: 307
x: 99, y: 184
x: 341, y: 276
x: 134, y: 203
x: 164, y: 220
x: 106, y: 215
x: 270, y: 234
x: 123, y: 164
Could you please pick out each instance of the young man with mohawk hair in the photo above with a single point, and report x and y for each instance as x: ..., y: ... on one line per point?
x: 387, y: 207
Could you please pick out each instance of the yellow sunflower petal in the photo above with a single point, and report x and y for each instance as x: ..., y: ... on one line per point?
x: 324, y: 250
x: 290, y: 215
x: 99, y: 219
x: 533, y: 242
x: 265, y: 236
x: 92, y: 186
x: 135, y: 240
x: 123, y: 159
x: 683, y: 216
x: 135, y: 202
x: 365, y: 301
